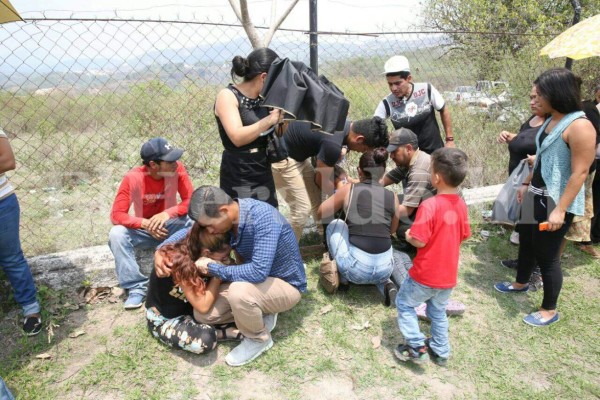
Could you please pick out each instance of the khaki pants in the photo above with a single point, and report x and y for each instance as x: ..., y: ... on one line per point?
x: 295, y: 183
x: 245, y: 303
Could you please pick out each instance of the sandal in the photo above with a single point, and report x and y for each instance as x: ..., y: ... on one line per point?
x: 225, y: 332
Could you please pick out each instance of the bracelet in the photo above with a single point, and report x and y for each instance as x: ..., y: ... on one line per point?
x: 449, y: 138
x: 525, y: 183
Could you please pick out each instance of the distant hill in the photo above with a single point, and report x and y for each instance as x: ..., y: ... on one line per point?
x: 206, y: 63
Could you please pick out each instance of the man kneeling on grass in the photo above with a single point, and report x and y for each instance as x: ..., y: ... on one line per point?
x: 270, y: 279
x: 440, y: 226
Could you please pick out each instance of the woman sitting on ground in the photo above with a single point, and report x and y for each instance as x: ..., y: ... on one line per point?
x: 170, y: 300
x: 362, y: 245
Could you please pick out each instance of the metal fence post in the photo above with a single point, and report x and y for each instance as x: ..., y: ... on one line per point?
x: 314, y: 40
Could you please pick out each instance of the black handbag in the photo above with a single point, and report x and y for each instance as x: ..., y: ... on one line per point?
x: 276, y: 149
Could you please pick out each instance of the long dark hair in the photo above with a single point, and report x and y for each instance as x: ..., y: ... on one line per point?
x: 372, y: 163
x: 256, y: 63
x: 559, y: 87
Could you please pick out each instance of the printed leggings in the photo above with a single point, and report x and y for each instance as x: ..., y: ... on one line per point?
x: 182, y: 332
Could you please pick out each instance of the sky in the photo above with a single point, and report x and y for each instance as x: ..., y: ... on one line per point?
x: 333, y: 15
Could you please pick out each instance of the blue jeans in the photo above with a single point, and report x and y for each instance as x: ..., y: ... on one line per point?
x: 412, y: 294
x: 5, y: 394
x: 354, y: 264
x: 12, y: 260
x: 123, y: 242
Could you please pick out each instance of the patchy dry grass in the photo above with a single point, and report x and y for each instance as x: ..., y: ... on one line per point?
x: 323, y: 355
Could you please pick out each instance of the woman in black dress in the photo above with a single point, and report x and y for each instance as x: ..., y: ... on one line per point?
x: 244, y: 126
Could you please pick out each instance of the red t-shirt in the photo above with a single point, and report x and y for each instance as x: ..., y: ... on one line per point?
x: 442, y: 223
x: 150, y: 196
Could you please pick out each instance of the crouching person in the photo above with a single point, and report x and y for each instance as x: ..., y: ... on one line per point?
x: 152, y: 189
x: 270, y: 280
x: 171, y: 300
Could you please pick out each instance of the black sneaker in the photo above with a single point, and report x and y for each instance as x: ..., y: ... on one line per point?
x: 32, y: 325
x: 512, y: 264
x: 406, y: 353
x: 441, y: 361
x: 390, y: 292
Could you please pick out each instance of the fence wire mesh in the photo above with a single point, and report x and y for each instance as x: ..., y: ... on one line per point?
x: 79, y: 97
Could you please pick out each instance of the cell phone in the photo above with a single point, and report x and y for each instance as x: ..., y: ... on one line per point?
x: 544, y: 226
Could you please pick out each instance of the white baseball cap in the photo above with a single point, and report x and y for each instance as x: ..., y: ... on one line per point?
x: 396, y: 64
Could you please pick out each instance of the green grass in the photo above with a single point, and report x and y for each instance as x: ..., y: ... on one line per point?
x: 495, y: 355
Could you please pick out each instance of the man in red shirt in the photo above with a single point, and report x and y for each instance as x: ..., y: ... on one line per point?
x: 152, y: 189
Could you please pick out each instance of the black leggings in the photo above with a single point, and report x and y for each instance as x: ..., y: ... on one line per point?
x: 182, y: 332
x: 541, y: 246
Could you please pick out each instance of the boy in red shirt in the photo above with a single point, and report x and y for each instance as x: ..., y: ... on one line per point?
x: 152, y: 189
x: 441, y: 224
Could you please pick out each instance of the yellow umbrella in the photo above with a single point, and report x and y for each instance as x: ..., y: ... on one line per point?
x: 582, y: 40
x: 8, y: 12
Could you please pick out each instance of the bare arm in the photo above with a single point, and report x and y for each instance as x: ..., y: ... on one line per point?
x: 202, y: 302
x: 386, y: 181
x: 417, y: 243
x: 405, y: 211
x: 396, y: 218
x: 226, y: 108
x: 581, y: 137
x: 324, y: 178
x: 329, y: 207
x: 447, y: 124
x: 7, y: 157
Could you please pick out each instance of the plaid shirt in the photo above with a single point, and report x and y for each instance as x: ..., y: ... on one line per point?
x: 266, y: 241
x: 417, y: 174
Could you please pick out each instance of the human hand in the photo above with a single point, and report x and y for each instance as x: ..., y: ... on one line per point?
x: 157, y: 233
x: 162, y: 265
x: 530, y: 159
x: 274, y: 117
x: 450, y: 143
x: 202, y: 265
x: 505, y: 137
x: 156, y: 223
x: 521, y: 193
x: 556, y: 219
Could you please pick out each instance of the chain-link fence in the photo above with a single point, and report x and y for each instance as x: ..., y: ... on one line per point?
x: 79, y: 97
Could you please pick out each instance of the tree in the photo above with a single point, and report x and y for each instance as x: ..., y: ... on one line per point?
x: 490, y: 32
x: 240, y: 8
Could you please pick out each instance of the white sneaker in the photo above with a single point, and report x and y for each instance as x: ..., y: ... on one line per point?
x: 247, y: 351
x: 270, y: 321
x: 514, y: 238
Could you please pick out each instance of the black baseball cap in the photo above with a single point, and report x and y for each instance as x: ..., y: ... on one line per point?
x: 159, y: 148
x: 401, y: 137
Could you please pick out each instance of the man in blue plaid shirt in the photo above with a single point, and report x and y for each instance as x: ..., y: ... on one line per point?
x: 270, y: 279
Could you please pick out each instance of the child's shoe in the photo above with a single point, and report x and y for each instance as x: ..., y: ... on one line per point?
x: 441, y: 361
x: 406, y: 353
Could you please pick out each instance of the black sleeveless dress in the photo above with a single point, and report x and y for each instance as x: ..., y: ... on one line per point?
x: 245, y: 171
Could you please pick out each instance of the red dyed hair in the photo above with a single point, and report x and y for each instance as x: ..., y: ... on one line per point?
x: 184, y: 253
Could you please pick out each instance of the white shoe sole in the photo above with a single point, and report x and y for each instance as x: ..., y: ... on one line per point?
x: 232, y: 364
